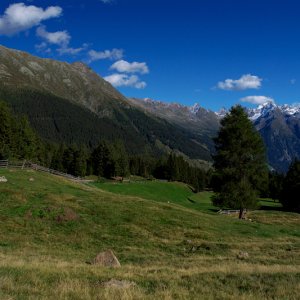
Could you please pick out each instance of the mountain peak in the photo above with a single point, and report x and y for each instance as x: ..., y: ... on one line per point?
x: 267, y: 105
x: 222, y: 112
x: 261, y: 110
x: 291, y: 109
x: 194, y: 108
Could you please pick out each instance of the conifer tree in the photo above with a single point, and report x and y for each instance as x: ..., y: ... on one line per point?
x: 240, y: 162
x: 291, y: 188
x: 5, y: 131
x: 120, y: 158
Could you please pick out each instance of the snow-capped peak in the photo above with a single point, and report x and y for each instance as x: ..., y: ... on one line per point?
x: 222, y: 112
x: 290, y: 109
x: 261, y: 110
x: 267, y: 105
x: 194, y: 108
x: 265, y: 108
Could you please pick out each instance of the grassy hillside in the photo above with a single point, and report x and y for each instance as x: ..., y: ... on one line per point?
x: 50, y: 228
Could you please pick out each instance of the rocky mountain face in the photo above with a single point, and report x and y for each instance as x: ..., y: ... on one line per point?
x: 70, y: 103
x: 201, y: 122
x: 280, y: 129
x: 192, y: 117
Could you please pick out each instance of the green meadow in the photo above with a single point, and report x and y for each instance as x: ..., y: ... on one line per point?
x: 171, y: 243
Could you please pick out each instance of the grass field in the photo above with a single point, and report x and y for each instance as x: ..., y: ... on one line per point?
x: 170, y: 242
x: 175, y: 192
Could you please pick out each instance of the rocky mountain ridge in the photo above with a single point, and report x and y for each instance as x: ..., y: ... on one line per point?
x: 76, y: 82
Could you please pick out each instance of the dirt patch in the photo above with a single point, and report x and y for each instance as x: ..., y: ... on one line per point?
x: 60, y: 215
x: 67, y: 215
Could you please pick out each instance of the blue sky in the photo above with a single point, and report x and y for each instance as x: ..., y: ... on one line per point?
x: 216, y: 53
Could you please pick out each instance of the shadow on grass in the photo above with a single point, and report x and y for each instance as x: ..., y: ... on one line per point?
x: 269, y: 205
x: 274, y: 208
x: 191, y: 200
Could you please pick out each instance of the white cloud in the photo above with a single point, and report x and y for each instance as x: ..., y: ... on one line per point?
x: 43, y: 47
x: 70, y: 50
x: 119, y: 80
x: 244, y: 83
x: 123, y: 66
x: 61, y: 38
x: 107, y: 54
x: 106, y: 1
x: 19, y: 17
x: 257, y: 99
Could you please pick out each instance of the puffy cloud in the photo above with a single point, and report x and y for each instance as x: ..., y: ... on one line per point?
x: 61, y: 38
x: 107, y: 54
x: 257, y: 99
x: 119, y: 80
x: 19, y: 17
x: 123, y: 66
x: 244, y: 83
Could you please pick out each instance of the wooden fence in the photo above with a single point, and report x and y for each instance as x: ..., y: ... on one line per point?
x: 29, y: 165
x: 229, y: 211
x: 3, y: 164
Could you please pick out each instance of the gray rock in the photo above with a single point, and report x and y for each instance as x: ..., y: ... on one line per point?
x: 242, y: 255
x: 107, y: 259
x: 3, y: 179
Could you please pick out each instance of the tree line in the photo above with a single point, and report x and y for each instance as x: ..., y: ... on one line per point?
x: 109, y: 160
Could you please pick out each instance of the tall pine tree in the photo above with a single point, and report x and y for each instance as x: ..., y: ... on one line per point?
x: 240, y: 163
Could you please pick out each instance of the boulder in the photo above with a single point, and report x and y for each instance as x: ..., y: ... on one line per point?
x: 3, y: 179
x: 107, y: 259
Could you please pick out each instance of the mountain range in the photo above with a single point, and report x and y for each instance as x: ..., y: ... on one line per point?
x: 279, y: 126
x: 70, y: 103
